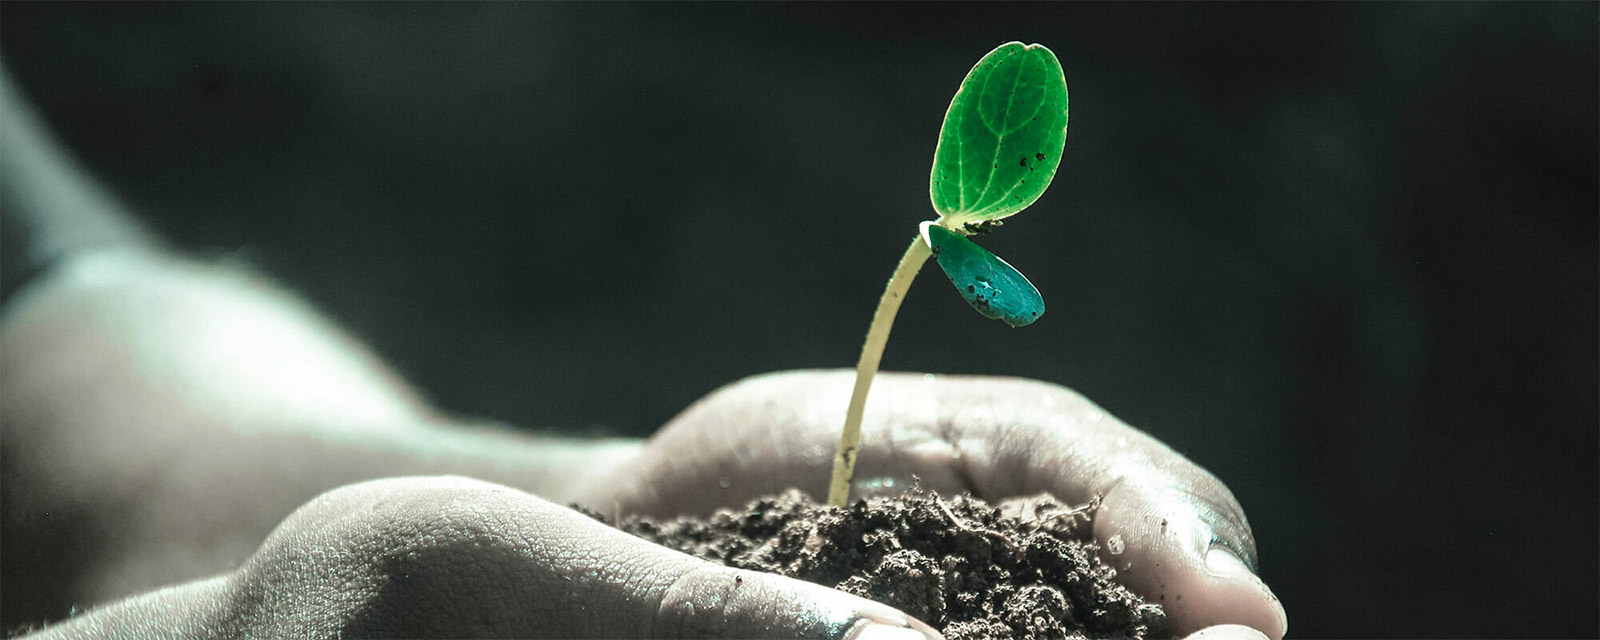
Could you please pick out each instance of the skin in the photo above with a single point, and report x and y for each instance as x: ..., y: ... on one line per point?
x: 230, y: 463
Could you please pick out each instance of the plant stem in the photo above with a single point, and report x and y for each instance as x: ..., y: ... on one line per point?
x: 844, y: 460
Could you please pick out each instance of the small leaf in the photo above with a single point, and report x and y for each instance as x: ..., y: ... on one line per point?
x: 1002, y: 136
x: 995, y: 289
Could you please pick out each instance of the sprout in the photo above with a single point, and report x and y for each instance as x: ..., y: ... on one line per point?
x: 998, y: 149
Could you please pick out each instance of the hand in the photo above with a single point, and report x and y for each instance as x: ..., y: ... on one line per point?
x: 1184, y: 540
x: 454, y: 557
x: 374, y: 556
x: 457, y: 557
x: 213, y: 467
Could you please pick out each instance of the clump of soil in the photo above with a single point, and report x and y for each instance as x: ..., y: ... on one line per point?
x: 1023, y: 568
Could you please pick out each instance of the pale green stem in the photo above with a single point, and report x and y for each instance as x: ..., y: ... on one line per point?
x: 844, y: 460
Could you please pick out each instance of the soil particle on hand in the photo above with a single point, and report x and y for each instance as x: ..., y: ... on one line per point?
x: 1023, y: 568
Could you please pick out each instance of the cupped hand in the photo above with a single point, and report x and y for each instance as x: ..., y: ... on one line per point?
x: 448, y: 556
x: 453, y: 557
x: 128, y: 423
x: 1175, y: 534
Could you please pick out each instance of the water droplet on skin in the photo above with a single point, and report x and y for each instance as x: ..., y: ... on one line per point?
x: 1115, y: 545
x: 1096, y: 416
x: 724, y: 482
x: 875, y: 484
x: 927, y: 377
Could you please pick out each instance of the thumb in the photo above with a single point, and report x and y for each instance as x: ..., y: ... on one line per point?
x: 712, y: 601
x: 462, y: 557
x: 1185, y: 545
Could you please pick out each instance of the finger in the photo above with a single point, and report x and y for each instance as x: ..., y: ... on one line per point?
x: 1165, y: 544
x: 458, y: 557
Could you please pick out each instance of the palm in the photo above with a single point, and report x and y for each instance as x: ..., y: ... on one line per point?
x: 994, y: 437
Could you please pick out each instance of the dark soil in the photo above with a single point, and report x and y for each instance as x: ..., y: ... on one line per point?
x: 1023, y: 568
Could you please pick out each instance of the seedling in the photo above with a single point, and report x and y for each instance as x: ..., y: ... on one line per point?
x: 998, y: 149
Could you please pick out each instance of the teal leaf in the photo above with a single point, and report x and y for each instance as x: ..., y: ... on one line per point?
x: 1002, y: 136
x: 994, y: 288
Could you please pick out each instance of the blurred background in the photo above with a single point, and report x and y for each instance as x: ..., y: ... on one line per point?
x: 1342, y: 255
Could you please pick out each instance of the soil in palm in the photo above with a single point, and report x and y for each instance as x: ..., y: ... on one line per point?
x: 1023, y: 568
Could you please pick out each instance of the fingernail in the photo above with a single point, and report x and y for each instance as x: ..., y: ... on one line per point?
x: 1224, y: 563
x: 1227, y: 632
x: 876, y: 631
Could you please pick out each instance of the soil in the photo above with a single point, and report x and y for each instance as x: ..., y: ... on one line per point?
x: 1023, y: 568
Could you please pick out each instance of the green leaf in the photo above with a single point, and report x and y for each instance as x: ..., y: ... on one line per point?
x: 994, y: 288
x: 1002, y: 136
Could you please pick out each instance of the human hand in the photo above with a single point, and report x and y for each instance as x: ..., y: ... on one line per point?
x: 178, y: 471
x: 1184, y: 540
x: 375, y: 556
x: 450, y: 556
x: 455, y: 557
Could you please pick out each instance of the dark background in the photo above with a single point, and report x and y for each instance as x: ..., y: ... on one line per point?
x: 1343, y: 255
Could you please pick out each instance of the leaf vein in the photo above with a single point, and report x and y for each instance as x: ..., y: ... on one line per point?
x: 1000, y: 137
